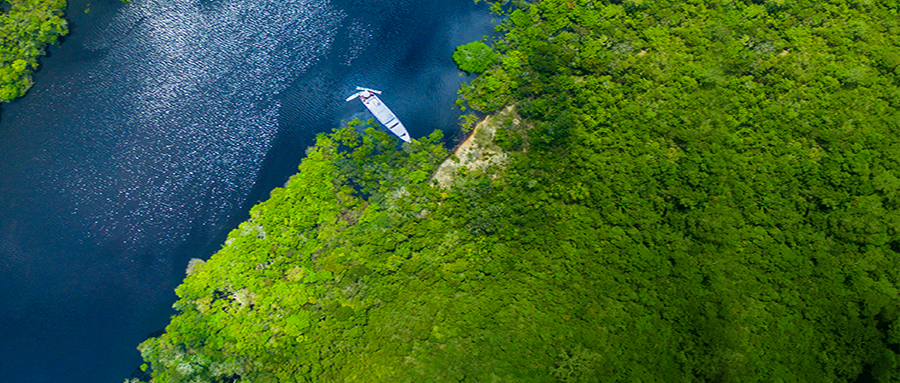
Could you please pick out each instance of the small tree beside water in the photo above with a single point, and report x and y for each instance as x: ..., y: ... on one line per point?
x: 474, y: 57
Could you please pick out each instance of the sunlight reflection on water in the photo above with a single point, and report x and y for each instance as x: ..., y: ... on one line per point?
x: 155, y: 125
x: 196, y: 116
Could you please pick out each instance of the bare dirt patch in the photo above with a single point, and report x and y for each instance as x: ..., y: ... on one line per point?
x: 478, y: 151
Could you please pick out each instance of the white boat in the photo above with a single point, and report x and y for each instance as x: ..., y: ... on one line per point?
x: 381, y: 111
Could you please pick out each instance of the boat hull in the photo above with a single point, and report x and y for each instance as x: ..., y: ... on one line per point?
x: 384, y: 115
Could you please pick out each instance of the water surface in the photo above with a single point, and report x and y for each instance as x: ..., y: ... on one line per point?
x: 152, y: 129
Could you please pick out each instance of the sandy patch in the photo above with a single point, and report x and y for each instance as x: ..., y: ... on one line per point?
x: 478, y: 151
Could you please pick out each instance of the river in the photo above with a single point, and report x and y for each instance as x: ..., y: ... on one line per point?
x: 156, y: 125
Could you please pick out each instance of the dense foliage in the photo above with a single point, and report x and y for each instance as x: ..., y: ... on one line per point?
x: 25, y: 30
x: 474, y: 57
x: 704, y: 191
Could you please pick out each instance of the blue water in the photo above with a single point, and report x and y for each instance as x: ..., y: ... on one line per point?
x: 152, y: 129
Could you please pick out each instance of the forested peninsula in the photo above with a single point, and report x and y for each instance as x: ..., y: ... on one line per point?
x: 683, y: 191
x: 26, y: 27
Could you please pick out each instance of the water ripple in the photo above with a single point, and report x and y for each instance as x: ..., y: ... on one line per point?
x: 359, y: 35
x: 196, y: 113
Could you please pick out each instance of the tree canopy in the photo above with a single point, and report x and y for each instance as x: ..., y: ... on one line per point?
x: 474, y: 57
x: 695, y: 191
x: 25, y: 30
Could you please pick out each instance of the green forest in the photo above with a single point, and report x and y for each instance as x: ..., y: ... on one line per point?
x: 26, y: 27
x: 694, y: 191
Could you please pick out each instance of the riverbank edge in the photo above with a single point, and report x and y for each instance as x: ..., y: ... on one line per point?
x: 478, y: 151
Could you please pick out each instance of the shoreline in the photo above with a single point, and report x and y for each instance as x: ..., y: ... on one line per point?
x: 478, y: 150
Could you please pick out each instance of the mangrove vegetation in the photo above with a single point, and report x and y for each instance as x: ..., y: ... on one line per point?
x: 26, y: 27
x: 693, y: 191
